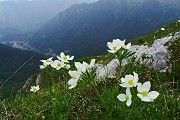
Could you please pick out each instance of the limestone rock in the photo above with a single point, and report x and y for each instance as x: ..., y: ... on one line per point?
x: 155, y: 56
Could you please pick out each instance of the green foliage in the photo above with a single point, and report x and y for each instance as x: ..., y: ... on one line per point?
x: 84, y: 102
x: 174, y: 77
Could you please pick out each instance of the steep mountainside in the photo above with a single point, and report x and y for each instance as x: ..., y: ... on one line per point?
x: 84, y: 29
x: 109, y: 95
x: 11, y: 60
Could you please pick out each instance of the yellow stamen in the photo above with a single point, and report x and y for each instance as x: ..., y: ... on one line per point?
x: 74, y: 78
x: 59, y: 65
x: 115, y: 47
x: 145, y: 93
x: 127, y: 97
x: 131, y: 82
x: 65, y: 58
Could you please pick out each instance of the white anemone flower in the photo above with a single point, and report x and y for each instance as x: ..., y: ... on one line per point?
x: 65, y: 58
x: 47, y: 62
x: 162, y: 29
x: 144, y: 93
x: 115, y: 45
x: 127, y: 46
x: 129, y: 80
x: 34, y: 88
x: 75, y: 75
x: 57, y: 64
x: 67, y: 66
x: 126, y: 97
x: 84, y: 66
x: 42, y: 66
x: 92, y: 63
x: 80, y: 66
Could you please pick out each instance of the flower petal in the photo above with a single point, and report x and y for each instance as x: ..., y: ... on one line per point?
x: 72, y: 83
x: 122, y: 97
x: 146, y: 99
x: 109, y: 44
x: 71, y: 58
x: 128, y: 103
x: 140, y: 96
x: 122, y: 79
x: 92, y: 63
x: 62, y: 54
x: 128, y: 77
x: 135, y: 77
x: 124, y: 85
x: 78, y: 65
x: 128, y: 92
x: 153, y: 95
x: 146, y: 86
x: 139, y: 87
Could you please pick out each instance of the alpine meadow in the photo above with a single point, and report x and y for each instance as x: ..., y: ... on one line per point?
x: 89, y: 60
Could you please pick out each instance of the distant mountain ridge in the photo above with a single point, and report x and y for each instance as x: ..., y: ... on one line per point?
x: 29, y: 15
x: 84, y: 29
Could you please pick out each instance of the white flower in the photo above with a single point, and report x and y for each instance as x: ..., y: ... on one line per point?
x: 92, y: 63
x: 162, y: 29
x: 42, y: 66
x: 126, y: 97
x: 115, y: 45
x: 178, y: 20
x: 144, y: 93
x: 57, y: 64
x: 34, y: 88
x: 81, y: 67
x: 67, y: 66
x: 47, y: 62
x: 84, y: 66
x: 64, y: 57
x: 127, y: 46
x: 129, y: 80
x: 75, y: 75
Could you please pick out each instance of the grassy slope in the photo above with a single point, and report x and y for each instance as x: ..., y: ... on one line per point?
x: 56, y: 104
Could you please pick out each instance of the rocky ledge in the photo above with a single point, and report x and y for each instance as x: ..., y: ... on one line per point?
x: 156, y: 56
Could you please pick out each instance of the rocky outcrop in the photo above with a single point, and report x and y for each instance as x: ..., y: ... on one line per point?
x: 30, y: 82
x: 156, y: 56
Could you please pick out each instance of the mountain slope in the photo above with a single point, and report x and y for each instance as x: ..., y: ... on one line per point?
x: 54, y: 101
x: 11, y: 60
x: 83, y: 30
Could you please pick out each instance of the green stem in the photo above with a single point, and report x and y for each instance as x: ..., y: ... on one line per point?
x: 162, y: 89
x: 133, y: 105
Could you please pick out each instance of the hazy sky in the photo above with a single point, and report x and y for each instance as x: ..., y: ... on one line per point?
x: 32, y: 0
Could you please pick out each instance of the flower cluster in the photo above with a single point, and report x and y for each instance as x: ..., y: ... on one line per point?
x: 80, y: 69
x: 62, y: 62
x: 131, y: 81
x: 116, y: 45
